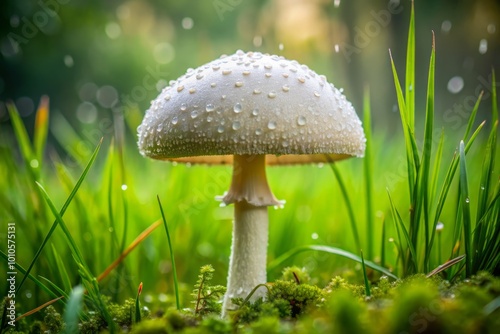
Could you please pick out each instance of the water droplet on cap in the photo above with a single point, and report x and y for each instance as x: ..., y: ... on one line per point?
x: 258, y: 132
x: 180, y: 88
x: 286, y: 88
x: 238, y: 84
x: 255, y: 112
x: 226, y: 72
x: 236, y: 125
x: 237, y: 108
x: 194, y: 114
x: 183, y: 107
x: 271, y: 95
x: 174, y: 120
x: 220, y: 129
x: 257, y: 91
x: 301, y: 120
x: 271, y: 125
x: 210, y: 107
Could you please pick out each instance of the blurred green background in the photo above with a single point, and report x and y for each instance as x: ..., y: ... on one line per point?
x: 102, y: 62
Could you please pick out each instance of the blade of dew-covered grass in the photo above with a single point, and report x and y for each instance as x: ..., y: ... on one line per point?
x: 61, y: 213
x: 368, y: 171
x: 330, y: 250
x: 465, y: 201
x: 422, y: 200
x: 443, y: 194
x: 411, y: 161
x: 410, y: 71
x: 172, y: 258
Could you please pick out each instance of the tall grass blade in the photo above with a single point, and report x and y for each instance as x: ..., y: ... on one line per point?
x: 330, y: 250
x: 422, y: 200
x: 410, y: 71
x: 172, y: 258
x: 465, y: 203
x: 368, y: 171
x: 61, y: 213
x: 368, y: 293
x: 61, y: 269
x: 398, y: 221
x: 41, y: 128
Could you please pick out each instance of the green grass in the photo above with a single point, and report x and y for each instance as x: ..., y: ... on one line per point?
x: 80, y: 212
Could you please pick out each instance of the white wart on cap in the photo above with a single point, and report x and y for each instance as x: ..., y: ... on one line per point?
x: 251, y: 104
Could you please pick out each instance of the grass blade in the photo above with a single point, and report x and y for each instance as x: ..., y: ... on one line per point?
x: 330, y: 250
x: 398, y: 221
x: 422, y: 200
x: 410, y: 71
x: 61, y: 269
x: 445, y: 266
x: 365, y: 277
x: 368, y: 171
x: 465, y: 202
x: 41, y: 128
x: 172, y: 258
x: 63, y: 210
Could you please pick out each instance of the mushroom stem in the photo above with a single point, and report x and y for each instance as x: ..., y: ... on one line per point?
x: 251, y: 196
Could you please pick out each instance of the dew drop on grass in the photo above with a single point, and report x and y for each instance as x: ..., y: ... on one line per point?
x: 314, y: 236
x: 124, y: 187
x: 439, y: 226
x: 467, y: 200
x: 34, y: 163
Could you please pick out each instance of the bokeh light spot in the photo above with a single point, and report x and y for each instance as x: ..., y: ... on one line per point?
x: 107, y: 96
x: 113, y: 30
x: 86, y: 112
x: 187, y: 23
x: 455, y: 85
x: 164, y: 53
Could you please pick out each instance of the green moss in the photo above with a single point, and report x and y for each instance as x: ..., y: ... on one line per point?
x: 296, y: 274
x: 206, y: 297
x: 53, y: 320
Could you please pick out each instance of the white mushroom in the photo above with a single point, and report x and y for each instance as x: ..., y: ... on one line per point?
x: 248, y: 109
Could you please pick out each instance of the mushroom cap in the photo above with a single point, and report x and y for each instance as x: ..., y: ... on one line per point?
x: 251, y: 103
